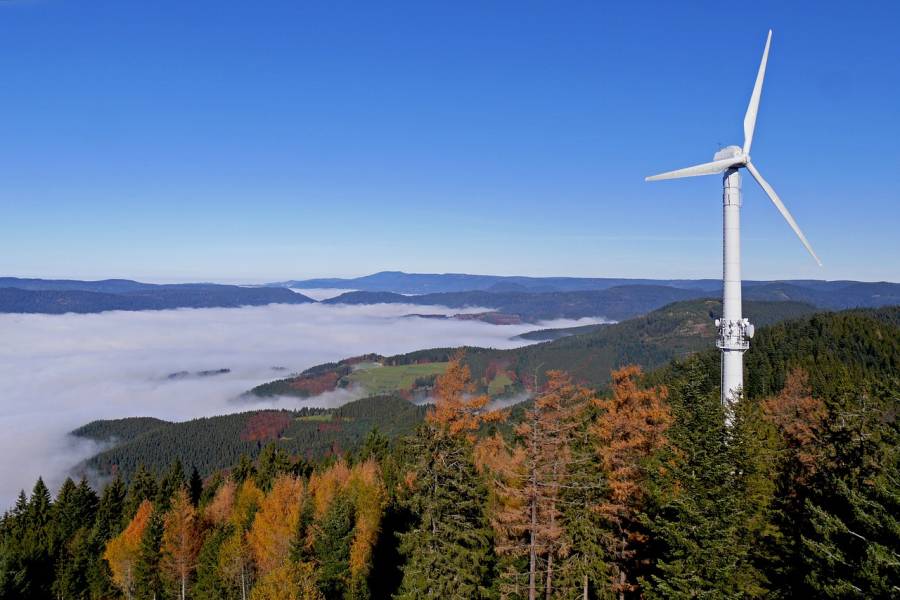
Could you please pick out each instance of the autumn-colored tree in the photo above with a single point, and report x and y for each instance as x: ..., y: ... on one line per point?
x: 275, y: 524
x: 219, y: 509
x: 123, y: 551
x: 181, y: 541
x: 347, y: 507
x: 629, y: 430
x: 457, y: 409
x: 290, y: 581
x: 800, y: 420
x: 528, y: 479
x: 235, y: 564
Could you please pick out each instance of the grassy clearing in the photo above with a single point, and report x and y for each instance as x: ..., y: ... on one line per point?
x: 498, y: 384
x: 382, y: 380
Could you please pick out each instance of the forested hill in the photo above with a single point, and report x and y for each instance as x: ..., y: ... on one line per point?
x: 93, y: 297
x: 649, y: 489
x: 588, y: 354
x: 214, y: 443
x: 617, y: 303
x: 652, y: 340
x: 625, y: 301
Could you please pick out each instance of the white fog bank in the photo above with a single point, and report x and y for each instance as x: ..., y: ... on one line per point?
x: 61, y: 371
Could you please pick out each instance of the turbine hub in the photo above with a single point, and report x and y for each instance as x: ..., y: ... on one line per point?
x: 728, y: 152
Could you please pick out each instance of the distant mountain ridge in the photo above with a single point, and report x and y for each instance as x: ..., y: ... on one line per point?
x: 524, y: 298
x: 73, y: 296
x: 428, y: 283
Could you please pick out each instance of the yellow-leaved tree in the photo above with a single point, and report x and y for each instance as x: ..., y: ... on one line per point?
x: 122, y: 552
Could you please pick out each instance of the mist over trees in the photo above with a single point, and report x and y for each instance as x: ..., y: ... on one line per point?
x: 636, y: 490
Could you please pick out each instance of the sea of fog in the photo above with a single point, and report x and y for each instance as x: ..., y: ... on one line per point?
x: 60, y: 371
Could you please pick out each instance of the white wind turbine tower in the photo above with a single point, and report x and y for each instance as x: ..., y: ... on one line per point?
x: 734, y: 331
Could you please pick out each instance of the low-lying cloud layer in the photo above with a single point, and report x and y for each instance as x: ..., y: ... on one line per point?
x: 60, y: 371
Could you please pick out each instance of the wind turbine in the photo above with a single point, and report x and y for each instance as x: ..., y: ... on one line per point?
x: 734, y: 332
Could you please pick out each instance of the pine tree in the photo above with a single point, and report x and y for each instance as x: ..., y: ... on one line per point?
x: 172, y: 481
x: 195, y: 486
x: 851, y: 548
x: 449, y: 551
x: 147, y: 582
x: 107, y: 524
x: 698, y: 503
x: 142, y: 487
x: 273, y: 461
x: 244, y: 470
x: 333, y: 538
x: 209, y: 585
x: 74, y: 512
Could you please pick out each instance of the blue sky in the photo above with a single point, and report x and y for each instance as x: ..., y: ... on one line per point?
x: 254, y: 141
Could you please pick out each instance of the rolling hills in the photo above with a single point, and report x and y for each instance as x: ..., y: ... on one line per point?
x: 69, y: 296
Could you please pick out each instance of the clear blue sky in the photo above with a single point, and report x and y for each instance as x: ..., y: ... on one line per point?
x: 253, y: 141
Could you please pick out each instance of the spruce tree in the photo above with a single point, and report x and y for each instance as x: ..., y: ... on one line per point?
x: 148, y: 584
x: 332, y: 547
x: 449, y: 550
x: 698, y: 503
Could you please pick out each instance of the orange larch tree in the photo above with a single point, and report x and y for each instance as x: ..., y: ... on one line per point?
x: 181, y: 540
x: 123, y: 551
x: 528, y: 480
x: 457, y: 409
x: 629, y: 431
x: 275, y: 525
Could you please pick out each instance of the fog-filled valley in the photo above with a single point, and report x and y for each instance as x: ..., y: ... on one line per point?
x: 62, y: 371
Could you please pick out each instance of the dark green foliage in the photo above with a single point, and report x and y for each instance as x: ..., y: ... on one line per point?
x: 208, y: 584
x: 216, y: 443
x: 448, y: 552
x: 332, y: 548
x: 701, y: 507
x: 172, y: 481
x: 850, y: 545
x: 273, y: 461
x: 148, y: 583
x: 195, y: 486
x: 674, y: 331
x: 143, y: 487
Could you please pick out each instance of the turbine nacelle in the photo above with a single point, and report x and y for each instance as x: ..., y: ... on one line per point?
x: 730, y: 152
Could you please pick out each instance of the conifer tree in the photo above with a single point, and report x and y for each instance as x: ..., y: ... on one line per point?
x: 331, y: 548
x: 698, y: 505
x: 449, y: 550
x: 629, y: 432
x: 209, y: 585
x: 147, y: 581
x: 195, y: 486
x: 123, y: 551
x: 181, y: 541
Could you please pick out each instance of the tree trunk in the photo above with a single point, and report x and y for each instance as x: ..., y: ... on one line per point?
x: 549, y: 575
x: 585, y: 593
x: 243, y: 585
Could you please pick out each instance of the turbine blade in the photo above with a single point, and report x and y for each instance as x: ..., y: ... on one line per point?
x: 710, y: 168
x: 781, y: 208
x: 753, y: 108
